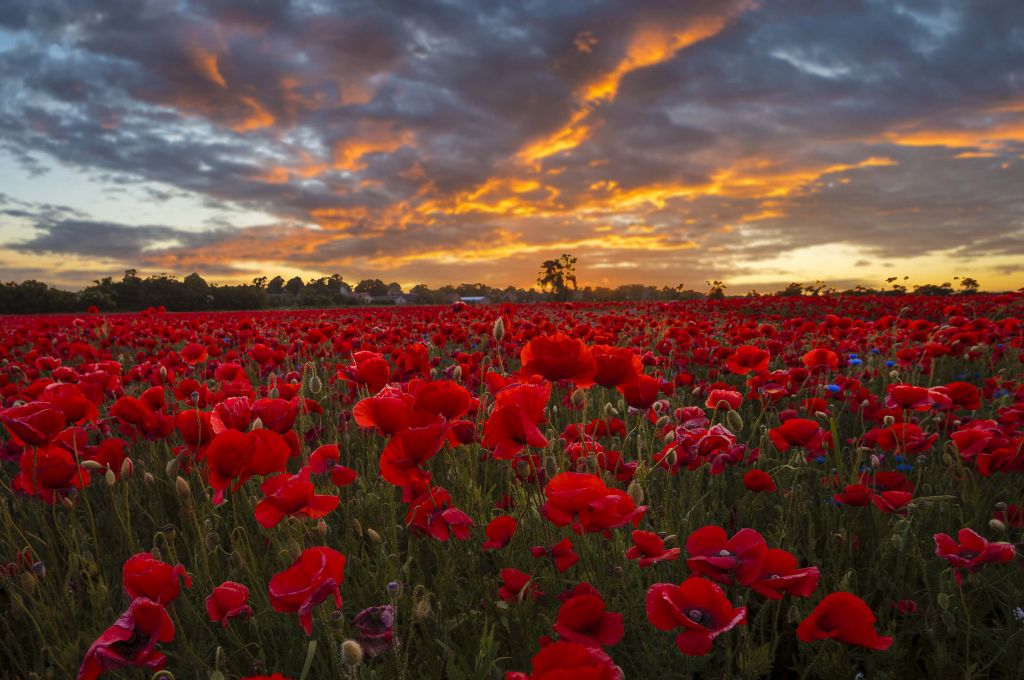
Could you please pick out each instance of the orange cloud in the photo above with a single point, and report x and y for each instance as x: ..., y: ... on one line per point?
x: 205, y: 62
x: 370, y: 137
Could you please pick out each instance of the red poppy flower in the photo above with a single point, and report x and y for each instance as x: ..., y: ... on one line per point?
x: 194, y: 353
x: 277, y: 415
x: 759, y: 481
x: 369, y: 369
x: 432, y: 514
x: 699, y: 607
x: 513, y: 424
x: 408, y: 450
x: 389, y: 411
x: 500, y: 531
x: 615, y: 365
x: 46, y: 471
x: 34, y: 423
x: 289, y: 495
x: 725, y: 559
x: 75, y: 406
x: 315, y: 576
x: 562, y: 554
x: 145, y: 576
x: 584, y: 501
x: 905, y: 438
x: 821, y: 359
x: 641, y: 392
x: 444, y: 398
x: 843, y: 617
x: 970, y: 552
x: 559, y: 357
x: 892, y: 501
x: 343, y: 476
x: 727, y: 400
x: 233, y: 413
x: 583, y: 619
x: 747, y: 359
x: 228, y: 601
x: 514, y: 586
x: 131, y: 641
x: 963, y: 395
x: 565, y: 660
x: 856, y: 495
x: 801, y: 432
x: 779, y: 574
x: 324, y: 458
x: 648, y: 548
x: 237, y: 456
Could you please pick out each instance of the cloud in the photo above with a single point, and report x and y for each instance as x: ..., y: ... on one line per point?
x: 438, y: 141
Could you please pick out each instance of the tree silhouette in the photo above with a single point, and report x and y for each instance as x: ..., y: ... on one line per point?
x: 556, y: 276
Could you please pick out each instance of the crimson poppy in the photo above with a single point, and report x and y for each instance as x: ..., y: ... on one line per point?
x: 34, y: 423
x: 131, y: 641
x: 759, y: 481
x: 843, y: 617
x: 747, y: 359
x: 316, y: 575
x: 648, y: 548
x: 725, y: 559
x: 499, y: 532
x: 970, y: 552
x: 235, y: 456
x: 145, y: 576
x: 513, y: 424
x: 800, y: 432
x: 779, y: 574
x: 289, y: 495
x: 229, y: 600
x: 47, y: 472
x: 615, y: 365
x: 514, y: 585
x: 564, y: 660
x: 699, y: 607
x: 408, y: 450
x: 562, y: 554
x: 583, y: 619
x: 559, y: 357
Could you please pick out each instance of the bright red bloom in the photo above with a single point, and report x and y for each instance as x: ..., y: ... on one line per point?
x: 584, y: 620
x: 562, y: 554
x: 699, y: 607
x: 970, y: 552
x: 315, y: 576
x: 514, y: 586
x: 500, y: 531
x: 584, y: 501
x: 801, y: 432
x: 229, y: 600
x: 856, y: 495
x: 75, y: 406
x: 233, y: 413
x: 402, y: 459
x: 821, y: 359
x: 779, y: 574
x: 963, y: 395
x: 892, y: 501
x: 903, y: 438
x: 513, y: 424
x: 641, y: 392
x: 389, y: 411
x: 370, y: 369
x: 46, y: 471
x: 727, y: 400
x: 194, y: 353
x: 559, y: 357
x: 725, y: 559
x: 131, y: 641
x: 569, y: 661
x: 914, y: 398
x: 432, y: 514
x: 843, y: 617
x: 289, y: 495
x: 444, y: 398
x: 649, y: 548
x: 145, y: 576
x: 615, y: 365
x: 747, y: 359
x: 34, y: 423
x: 324, y: 458
x: 277, y: 415
x: 235, y: 456
x: 758, y: 481
x: 343, y: 476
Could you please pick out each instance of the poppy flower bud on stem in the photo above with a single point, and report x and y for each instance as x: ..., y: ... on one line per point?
x: 351, y: 653
x: 499, y: 329
x: 67, y: 503
x: 735, y: 420
x: 943, y: 600
x: 636, y: 492
x: 421, y: 612
x: 182, y: 487
x: 579, y: 397
x: 148, y: 479
x: 92, y: 465
x: 172, y: 467
x: 374, y: 536
x: 996, y: 525
x: 110, y: 477
x: 662, y: 421
x: 127, y: 468
x: 257, y: 424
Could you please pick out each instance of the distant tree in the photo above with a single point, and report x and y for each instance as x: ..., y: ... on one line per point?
x: 792, y: 290
x: 969, y: 285
x: 394, y: 288
x: 372, y: 287
x: 260, y: 281
x: 276, y: 286
x: 294, y: 286
x: 716, y: 289
x: 557, y: 276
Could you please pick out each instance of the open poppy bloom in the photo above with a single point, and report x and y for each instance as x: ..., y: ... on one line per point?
x: 431, y: 513
x: 131, y: 641
x: 800, y: 432
x: 34, y: 423
x: 402, y: 459
x: 564, y: 660
x: 499, y: 532
x: 843, y: 617
x: 726, y: 560
x: 747, y: 359
x: 648, y: 548
x: 47, y: 471
x: 615, y: 365
x: 235, y: 456
x: 821, y: 360
x: 228, y: 601
x: 145, y: 576
x: 970, y: 552
x: 388, y: 411
x: 559, y: 357
x: 292, y: 495
x: 780, y: 575
x: 583, y: 619
x: 584, y: 501
x: 513, y: 424
x: 562, y: 554
x: 314, y: 577
x: 699, y: 607
x: 514, y: 586
x: 759, y: 481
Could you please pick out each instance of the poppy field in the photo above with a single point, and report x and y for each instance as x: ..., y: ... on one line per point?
x: 810, y: 487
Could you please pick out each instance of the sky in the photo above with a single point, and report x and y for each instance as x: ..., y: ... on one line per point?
x: 757, y: 142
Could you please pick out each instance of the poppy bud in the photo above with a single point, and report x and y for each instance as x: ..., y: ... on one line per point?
x: 274, y: 393
x: 950, y: 621
x: 212, y: 540
x: 457, y: 372
x: 182, y: 487
x: 172, y: 467
x: 92, y: 465
x: 609, y: 411
x: 499, y: 329
x: 550, y: 466
x: 148, y: 479
x: 127, y: 468
x: 294, y: 549
x: 1001, y: 505
x: 670, y: 437
x: 996, y: 525
x: 27, y: 581
x: 579, y: 397
x: 897, y: 541
x: 217, y: 675
x: 110, y: 477
x: 257, y: 424
x: 671, y: 458
x: 315, y: 384
x: 821, y: 415
x: 636, y: 492
x: 422, y: 610
x: 943, y: 599
x: 321, y: 527
x: 888, y: 420
x: 662, y: 422
x: 735, y: 421
x: 793, y: 614
x: 374, y: 536
x: 894, y: 375
x: 67, y: 503
x: 163, y: 373
x: 351, y: 653
x: 947, y: 460
x: 357, y: 528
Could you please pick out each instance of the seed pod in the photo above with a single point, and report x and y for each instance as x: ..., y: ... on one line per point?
x: 127, y: 468
x: 499, y: 329
x: 337, y: 615
x: 943, y: 600
x: 182, y: 487
x: 888, y: 420
x: 579, y: 397
x: 351, y: 653
x: 92, y: 465
x: 735, y: 421
x: 374, y: 536
x: 148, y: 479
x: 996, y: 525
x: 110, y: 477
x: 315, y: 384
x: 172, y: 467
x: 636, y: 492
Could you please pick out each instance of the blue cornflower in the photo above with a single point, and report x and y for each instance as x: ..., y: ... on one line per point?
x: 833, y: 388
